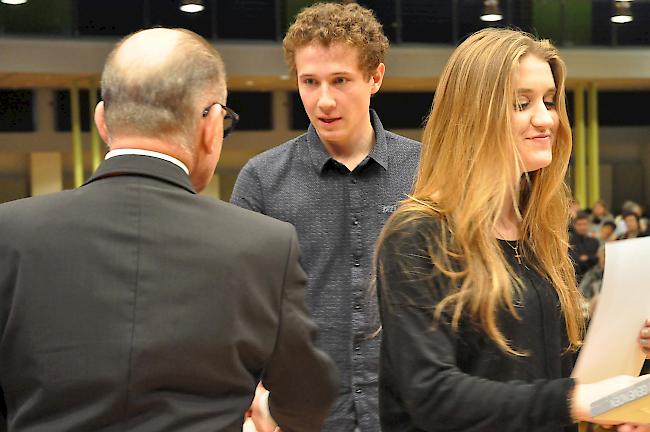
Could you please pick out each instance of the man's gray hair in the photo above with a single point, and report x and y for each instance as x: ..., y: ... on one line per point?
x: 162, y: 102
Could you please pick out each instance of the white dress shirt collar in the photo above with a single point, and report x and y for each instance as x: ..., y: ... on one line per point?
x: 121, y: 152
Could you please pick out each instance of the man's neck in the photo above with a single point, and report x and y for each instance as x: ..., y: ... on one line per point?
x: 352, y: 153
x: 154, y: 145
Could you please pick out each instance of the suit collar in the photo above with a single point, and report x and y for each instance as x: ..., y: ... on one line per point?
x: 138, y: 165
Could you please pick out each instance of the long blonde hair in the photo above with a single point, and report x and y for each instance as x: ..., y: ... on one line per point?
x: 469, y: 165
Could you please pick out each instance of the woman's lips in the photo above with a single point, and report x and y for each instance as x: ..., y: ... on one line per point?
x: 540, y: 138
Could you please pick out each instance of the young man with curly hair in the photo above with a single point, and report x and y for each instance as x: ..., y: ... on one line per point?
x: 337, y: 184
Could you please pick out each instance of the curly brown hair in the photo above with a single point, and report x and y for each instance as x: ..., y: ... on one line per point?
x: 328, y: 23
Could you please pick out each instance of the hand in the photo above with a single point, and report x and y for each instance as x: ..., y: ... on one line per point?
x: 627, y: 427
x: 583, y: 257
x: 249, y: 426
x: 585, y: 394
x: 260, y: 414
x: 644, y: 338
x: 633, y: 428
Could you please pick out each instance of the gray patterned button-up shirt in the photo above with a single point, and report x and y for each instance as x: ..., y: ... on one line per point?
x: 338, y: 215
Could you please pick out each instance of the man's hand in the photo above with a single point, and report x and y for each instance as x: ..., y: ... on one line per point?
x: 249, y: 426
x: 633, y: 428
x: 259, y: 411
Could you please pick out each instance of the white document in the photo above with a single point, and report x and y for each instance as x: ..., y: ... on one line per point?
x: 611, y: 346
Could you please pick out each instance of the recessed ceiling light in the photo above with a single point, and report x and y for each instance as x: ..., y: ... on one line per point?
x: 191, y: 6
x: 622, y: 13
x: 14, y: 2
x: 491, y: 11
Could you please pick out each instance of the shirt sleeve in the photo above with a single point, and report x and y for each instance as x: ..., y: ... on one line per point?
x: 420, y: 359
x: 247, y: 192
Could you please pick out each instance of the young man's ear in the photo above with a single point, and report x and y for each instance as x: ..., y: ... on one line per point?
x: 377, y: 77
x: 100, y: 121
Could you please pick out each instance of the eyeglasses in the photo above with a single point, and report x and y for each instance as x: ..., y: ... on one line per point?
x: 229, y: 121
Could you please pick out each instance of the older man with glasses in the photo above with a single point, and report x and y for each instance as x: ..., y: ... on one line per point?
x: 133, y: 303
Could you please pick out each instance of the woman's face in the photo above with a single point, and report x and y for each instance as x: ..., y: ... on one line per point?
x: 534, y: 118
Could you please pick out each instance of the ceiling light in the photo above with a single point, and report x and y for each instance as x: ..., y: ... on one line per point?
x: 491, y: 11
x: 191, y: 6
x: 622, y: 12
x: 14, y: 2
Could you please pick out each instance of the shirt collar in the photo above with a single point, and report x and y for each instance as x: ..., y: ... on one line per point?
x: 141, y: 152
x: 320, y: 156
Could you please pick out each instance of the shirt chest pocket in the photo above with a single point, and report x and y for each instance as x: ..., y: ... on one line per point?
x: 385, y: 211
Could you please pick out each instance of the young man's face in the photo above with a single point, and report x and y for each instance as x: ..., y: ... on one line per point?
x: 335, y: 91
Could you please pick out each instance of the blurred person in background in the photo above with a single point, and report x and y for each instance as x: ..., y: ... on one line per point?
x: 583, y: 248
x: 606, y: 231
x: 592, y: 281
x: 627, y: 207
x: 632, y: 227
x: 598, y: 215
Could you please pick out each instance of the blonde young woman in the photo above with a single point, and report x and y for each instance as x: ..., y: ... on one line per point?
x: 480, y: 312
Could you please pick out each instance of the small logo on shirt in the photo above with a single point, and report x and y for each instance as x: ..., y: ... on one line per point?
x: 388, y: 208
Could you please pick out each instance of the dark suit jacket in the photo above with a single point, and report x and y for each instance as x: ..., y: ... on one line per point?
x: 583, y: 245
x: 133, y: 304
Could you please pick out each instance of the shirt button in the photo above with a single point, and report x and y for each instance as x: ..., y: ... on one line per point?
x: 357, y: 263
x: 354, y: 181
x: 357, y: 348
x: 357, y: 391
x: 357, y: 306
x: 355, y: 222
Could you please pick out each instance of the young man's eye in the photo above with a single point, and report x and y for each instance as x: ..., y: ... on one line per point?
x: 309, y: 81
x: 340, y: 80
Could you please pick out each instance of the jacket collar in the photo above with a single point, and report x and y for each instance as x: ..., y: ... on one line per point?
x: 146, y: 166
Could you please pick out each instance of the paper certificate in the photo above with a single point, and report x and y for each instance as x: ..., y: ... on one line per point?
x: 611, y: 346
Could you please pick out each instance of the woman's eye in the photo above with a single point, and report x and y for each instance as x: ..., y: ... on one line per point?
x: 549, y: 104
x: 521, y: 105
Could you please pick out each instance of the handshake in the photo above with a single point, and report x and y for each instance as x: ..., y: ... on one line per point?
x: 258, y: 417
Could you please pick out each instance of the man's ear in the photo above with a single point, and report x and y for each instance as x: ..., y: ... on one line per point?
x: 100, y: 121
x: 377, y: 77
x: 212, y: 130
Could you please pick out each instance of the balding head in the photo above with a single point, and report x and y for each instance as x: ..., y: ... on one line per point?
x: 155, y: 82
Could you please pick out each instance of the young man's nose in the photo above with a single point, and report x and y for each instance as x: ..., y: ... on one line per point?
x: 325, y: 99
